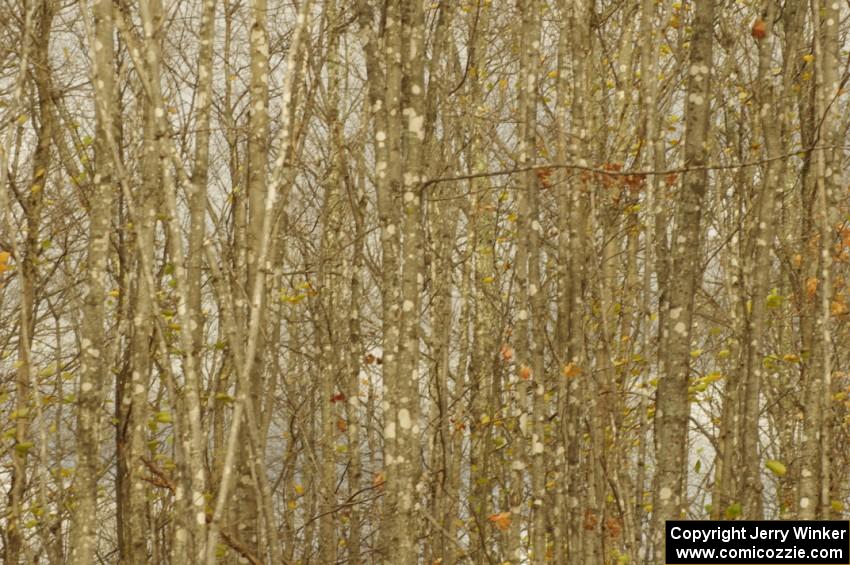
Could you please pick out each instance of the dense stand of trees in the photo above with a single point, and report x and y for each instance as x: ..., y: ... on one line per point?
x: 392, y: 281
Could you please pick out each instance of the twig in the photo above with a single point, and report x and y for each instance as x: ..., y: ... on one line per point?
x: 625, y: 173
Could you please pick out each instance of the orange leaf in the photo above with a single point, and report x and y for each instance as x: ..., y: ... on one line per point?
x: 502, y: 520
x: 811, y: 287
x: 572, y: 370
x: 759, y: 30
x: 590, y: 520
x: 4, y: 261
x: 525, y: 372
x: 507, y: 353
x: 341, y: 425
x: 613, y: 527
x: 378, y: 480
x: 543, y: 176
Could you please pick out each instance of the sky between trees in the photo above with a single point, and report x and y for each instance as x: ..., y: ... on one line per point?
x: 409, y: 282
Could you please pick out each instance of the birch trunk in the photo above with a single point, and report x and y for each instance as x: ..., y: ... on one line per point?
x: 93, y: 366
x: 671, y: 417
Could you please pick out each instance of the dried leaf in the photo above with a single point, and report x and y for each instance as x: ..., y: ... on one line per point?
x: 811, y: 287
x: 502, y: 520
x: 507, y: 353
x: 759, y: 30
x: 572, y: 370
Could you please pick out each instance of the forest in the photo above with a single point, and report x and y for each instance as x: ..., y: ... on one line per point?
x: 408, y: 282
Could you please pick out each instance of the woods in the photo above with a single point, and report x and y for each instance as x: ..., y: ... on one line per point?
x: 477, y: 281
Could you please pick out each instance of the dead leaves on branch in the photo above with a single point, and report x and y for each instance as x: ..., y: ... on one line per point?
x: 615, y: 178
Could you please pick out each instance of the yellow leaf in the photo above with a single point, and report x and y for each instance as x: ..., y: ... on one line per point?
x: 4, y: 260
x: 299, y: 489
x: 711, y: 378
x: 572, y: 370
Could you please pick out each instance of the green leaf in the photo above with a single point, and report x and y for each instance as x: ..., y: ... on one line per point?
x: 774, y: 299
x: 777, y: 467
x: 163, y: 417
x: 733, y: 511
x: 24, y: 447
